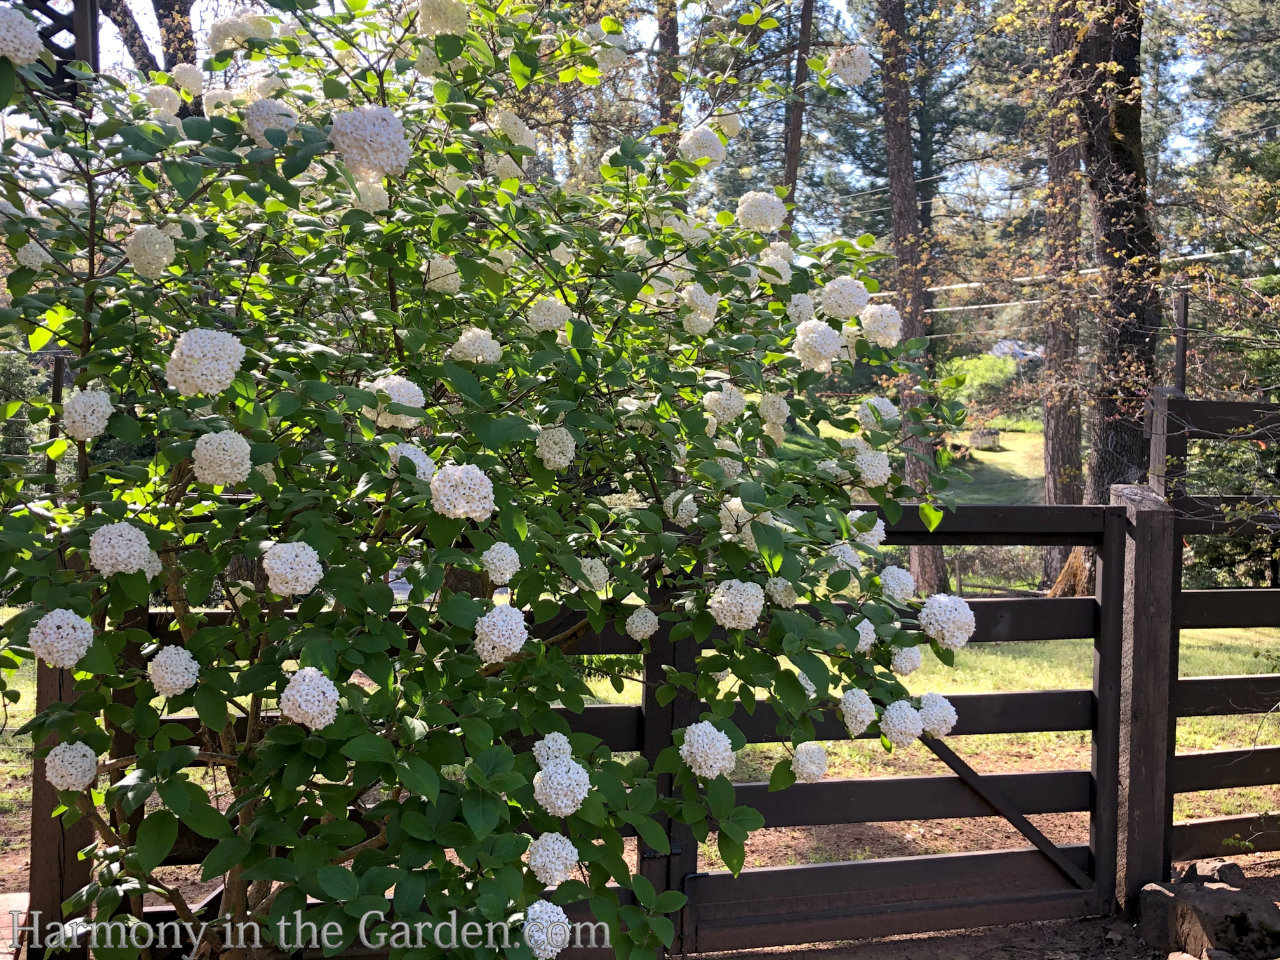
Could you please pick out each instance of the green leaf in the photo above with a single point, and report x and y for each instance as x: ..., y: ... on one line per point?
x: 337, y: 882
x: 156, y: 837
x: 931, y: 516
x: 335, y: 89
x: 523, y: 69
x: 8, y: 80
x: 732, y: 852
x: 211, y: 706
x: 197, y: 128
x: 223, y: 857
x: 126, y: 428
x: 184, y: 175
x: 419, y: 777
x: 782, y: 777
x: 135, y: 586
x: 370, y: 747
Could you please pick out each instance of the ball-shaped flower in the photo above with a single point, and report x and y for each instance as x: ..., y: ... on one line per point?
x: 443, y: 276
x: 736, y: 605
x: 800, y: 308
x: 642, y: 624
x: 189, y: 77
x: 462, y: 492
x: 872, y: 537
x: 699, y: 301
x: 150, y: 250
x: 402, y: 391
x: 844, y: 297
x: 730, y: 124
x: 845, y: 556
x: 118, y: 548
x: 851, y: 64
x: 553, y: 859
x: 20, y: 41
x: 32, y: 256
x: 204, y: 361
x: 71, y: 766
x: 882, y: 324
x: 475, y: 345
x: 424, y: 466
x: 707, y: 750
x: 725, y: 404
x: 810, y: 762
x: 372, y: 142
x: 876, y: 411
x: 85, y: 414
x: 681, y: 507
x: 500, y: 633
x: 761, y: 211
x: 222, y: 459
x: 595, y: 572
x: 292, y: 568
x: 60, y: 638
x: 898, y: 584
x: 781, y: 592
x: 702, y: 143
x: 266, y: 114
x: 173, y: 671
x: 736, y: 520
x: 777, y: 273
x: 697, y: 324
x: 901, y: 724
x: 816, y: 346
x: 547, y: 930
x: 371, y: 196
x: 310, y: 698
x: 501, y: 562
x: 561, y: 786
x: 948, y: 620
x: 555, y: 447
x: 857, y: 711
x: 937, y: 715
x: 548, y: 313
x: 441, y: 17
x: 163, y: 99
x: 774, y: 408
x: 874, y: 469
x: 554, y: 746
x: 906, y: 660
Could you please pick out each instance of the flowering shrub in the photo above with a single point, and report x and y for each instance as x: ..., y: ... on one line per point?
x: 354, y: 348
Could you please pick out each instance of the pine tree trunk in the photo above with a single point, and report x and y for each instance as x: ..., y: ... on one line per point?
x: 927, y: 562
x: 795, y: 108
x: 667, y: 86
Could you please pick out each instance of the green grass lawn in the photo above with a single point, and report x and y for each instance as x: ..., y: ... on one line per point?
x: 1012, y: 474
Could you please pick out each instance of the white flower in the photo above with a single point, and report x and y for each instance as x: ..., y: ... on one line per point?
x: 760, y: 211
x: 20, y: 41
x: 775, y: 432
x: 901, y: 724
x: 437, y: 17
x: 857, y: 711
x: 810, y: 762
x: 32, y: 256
x: 515, y: 129
x: 816, y: 346
x: 867, y: 636
x: 70, y: 766
x: 310, y: 698
x: 873, y: 467
x: 562, y: 255
x: 501, y: 562
x: 832, y: 467
x: 948, y: 620
x: 730, y: 124
x: 700, y: 302
x: 731, y: 464
x: 552, y: 747
x: 873, y: 537
x: 150, y: 250
x: 846, y: 557
x: 555, y: 447
x: 642, y: 624
x: 372, y: 142
x: 561, y: 786
x: 462, y: 491
x: 898, y: 584
x: 882, y: 324
x: 548, y: 313
x: 736, y: 605
x: 500, y: 633
x: 85, y: 414
x: 118, y: 548
x: 596, y: 573
x: 937, y: 715
x: 505, y: 167
x: 553, y: 859
x: 680, y: 507
x: 610, y: 54
x: 188, y: 77
x: 475, y: 345
x: 60, y: 638
x: 173, y: 671
x: 800, y: 308
x: 222, y: 459
x: 546, y: 929
x: 233, y: 31
x: 707, y: 751
x: 698, y: 324
x: 776, y: 273
x: 175, y: 229
x: 442, y: 274
x: 725, y: 404
x: 736, y: 519
x: 371, y: 196
x: 852, y: 65
x: 779, y: 250
x: 782, y: 593
x: 906, y: 660
x: 163, y: 100
x: 774, y: 408
x: 702, y: 143
x: 292, y: 568
x: 809, y: 687
x: 204, y: 361
x: 427, y: 63
x: 423, y: 464
x: 404, y: 392
x: 872, y: 413
x: 844, y: 297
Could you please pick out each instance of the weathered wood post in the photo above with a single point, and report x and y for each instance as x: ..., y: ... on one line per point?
x: 1148, y: 672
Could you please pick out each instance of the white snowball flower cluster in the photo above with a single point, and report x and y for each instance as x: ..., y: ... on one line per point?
x: 681, y: 507
x: 553, y: 859
x: 371, y: 196
x: 119, y: 548
x: 846, y: 557
x: 702, y: 143
x: 462, y: 491
x: 832, y: 467
x: 816, y: 346
x: 189, y: 77
x: 263, y: 115
x: 730, y: 462
x: 761, y: 211
x: 800, y: 308
x: 730, y: 124
x: 173, y: 671
x: 548, y: 313
x: 948, y: 620
x: 555, y: 447
x: 204, y: 361
x: 402, y: 391
x: 150, y: 250
x: 552, y: 747
x: 774, y: 408
x: 222, y: 459
x: 906, y: 660
x: 776, y: 272
x: 235, y: 30
x: 60, y: 638
x: 937, y: 715
x: 270, y: 85
x: 610, y: 53
x: 844, y: 297
x: 736, y: 519
x: 867, y: 636
x: 725, y: 404
x: 873, y: 467
x: 32, y: 256
x: 427, y: 64
x: 442, y: 274
x: 707, y: 751
x: 781, y: 592
x: 71, y: 766
x: 736, y: 605
x: 310, y: 698
x: 857, y: 711
x: 810, y: 688
x: 515, y: 129
x: 438, y: 17
x: 779, y: 250
x: 596, y: 573
x: 501, y: 562
x: 561, y: 786
x: 500, y: 633
x: 898, y: 584
x: 704, y: 305
x: 164, y: 101
x: 901, y: 724
x: 852, y: 65
x: 547, y: 930
x: 292, y: 568
x: 372, y: 142
x: 873, y: 537
x: 873, y: 412
x: 642, y: 624
x: 85, y: 414
x: 810, y: 762
x: 20, y: 41
x: 697, y: 324
x: 423, y: 464
x: 882, y: 324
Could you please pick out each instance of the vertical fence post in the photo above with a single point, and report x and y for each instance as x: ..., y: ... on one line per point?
x: 1107, y: 654
x: 1148, y: 671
